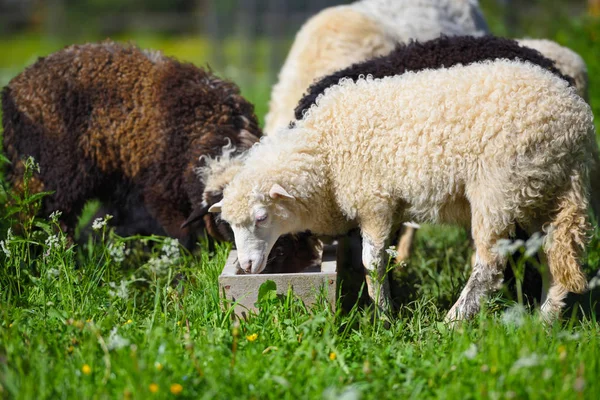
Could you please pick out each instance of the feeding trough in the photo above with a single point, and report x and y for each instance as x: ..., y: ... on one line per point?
x: 242, y: 289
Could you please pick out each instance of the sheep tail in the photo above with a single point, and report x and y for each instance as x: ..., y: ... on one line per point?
x: 568, y: 234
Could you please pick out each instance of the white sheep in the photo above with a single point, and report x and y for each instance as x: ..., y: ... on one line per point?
x: 377, y: 152
x: 343, y: 35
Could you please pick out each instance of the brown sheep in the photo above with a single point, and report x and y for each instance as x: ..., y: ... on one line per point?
x: 130, y: 128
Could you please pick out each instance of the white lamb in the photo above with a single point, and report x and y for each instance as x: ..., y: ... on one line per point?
x: 375, y: 153
x: 343, y: 35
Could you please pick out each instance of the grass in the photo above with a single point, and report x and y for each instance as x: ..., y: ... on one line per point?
x: 113, y: 319
x: 84, y: 323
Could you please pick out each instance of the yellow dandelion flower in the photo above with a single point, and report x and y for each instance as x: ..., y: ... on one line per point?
x: 153, y: 388
x: 86, y: 369
x: 562, y: 352
x: 176, y: 388
x: 332, y: 356
x: 562, y: 348
x: 10, y: 325
x: 252, y: 338
x: 178, y: 323
x: 128, y: 322
x: 158, y: 366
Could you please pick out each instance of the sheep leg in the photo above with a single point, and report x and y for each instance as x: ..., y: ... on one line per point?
x: 487, y: 274
x: 375, y: 233
x: 566, y: 242
x: 405, y: 244
x: 378, y: 286
x: 553, y: 293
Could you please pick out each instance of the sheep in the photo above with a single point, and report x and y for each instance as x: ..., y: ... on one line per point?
x: 449, y: 51
x: 131, y: 128
x: 343, y: 35
x: 122, y: 125
x: 375, y: 152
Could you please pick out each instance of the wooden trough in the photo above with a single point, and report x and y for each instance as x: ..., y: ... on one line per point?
x: 242, y: 289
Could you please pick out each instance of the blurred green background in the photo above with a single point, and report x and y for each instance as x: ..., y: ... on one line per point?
x: 247, y: 40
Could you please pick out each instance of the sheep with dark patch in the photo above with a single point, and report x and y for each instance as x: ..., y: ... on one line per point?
x: 130, y: 128
x: 446, y: 52
x: 462, y: 129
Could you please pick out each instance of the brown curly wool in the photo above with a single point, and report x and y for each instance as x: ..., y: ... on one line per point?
x: 125, y: 126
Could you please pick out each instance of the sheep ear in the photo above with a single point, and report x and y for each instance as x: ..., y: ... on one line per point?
x: 196, y: 215
x: 215, y: 208
x: 278, y: 192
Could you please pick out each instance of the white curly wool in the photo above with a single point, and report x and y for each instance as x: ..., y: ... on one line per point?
x: 567, y: 61
x: 487, y: 145
x: 338, y: 37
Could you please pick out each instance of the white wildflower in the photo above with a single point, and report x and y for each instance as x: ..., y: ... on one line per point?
x: 505, y: 247
x: 171, y: 248
x: 347, y: 393
x: 533, y: 244
x: 471, y: 352
x: 55, y: 216
x: 514, y: 316
x: 52, y: 273
x: 575, y: 336
x: 118, y: 252
x: 52, y: 242
x: 531, y: 360
x: 116, y: 341
x: 392, y: 251
x: 160, y: 265
x: 100, y: 223
x: 595, y: 281
x: 3, y: 244
x: 281, y: 381
x: 120, y: 291
x: 171, y: 255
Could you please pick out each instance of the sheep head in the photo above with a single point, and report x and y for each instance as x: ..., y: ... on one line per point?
x: 258, y: 223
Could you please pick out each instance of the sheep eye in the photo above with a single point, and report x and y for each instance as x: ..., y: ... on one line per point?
x: 260, y: 218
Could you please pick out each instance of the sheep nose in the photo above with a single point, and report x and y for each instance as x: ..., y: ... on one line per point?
x: 247, y: 267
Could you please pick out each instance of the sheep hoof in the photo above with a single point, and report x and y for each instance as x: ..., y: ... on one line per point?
x: 463, y: 309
